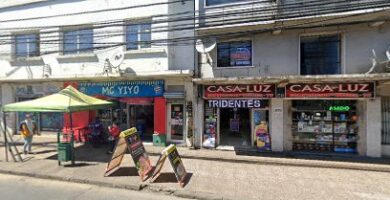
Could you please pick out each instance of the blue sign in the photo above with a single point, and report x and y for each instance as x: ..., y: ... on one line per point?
x: 124, y: 88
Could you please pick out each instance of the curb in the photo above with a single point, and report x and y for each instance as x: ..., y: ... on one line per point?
x: 138, y: 187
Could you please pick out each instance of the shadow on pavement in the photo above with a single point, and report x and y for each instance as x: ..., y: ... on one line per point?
x: 78, y: 164
x: 124, y: 171
x: 169, y: 177
x: 87, y: 153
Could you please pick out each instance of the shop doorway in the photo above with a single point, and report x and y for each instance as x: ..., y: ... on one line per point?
x: 235, y: 127
x: 176, y: 123
x: 142, y: 117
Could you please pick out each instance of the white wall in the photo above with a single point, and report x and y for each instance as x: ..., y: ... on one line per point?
x: 374, y: 119
x: 275, y: 55
x: 155, y: 59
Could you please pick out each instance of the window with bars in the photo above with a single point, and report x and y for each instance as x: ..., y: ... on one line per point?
x: 321, y: 55
x: 138, y: 36
x: 386, y: 120
x: 27, y: 45
x: 78, y: 41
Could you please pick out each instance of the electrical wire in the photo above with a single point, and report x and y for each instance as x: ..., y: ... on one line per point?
x: 189, y: 26
x: 158, y: 42
x: 190, y: 40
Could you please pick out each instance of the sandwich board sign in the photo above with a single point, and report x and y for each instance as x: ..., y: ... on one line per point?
x: 131, y: 142
x: 174, y: 158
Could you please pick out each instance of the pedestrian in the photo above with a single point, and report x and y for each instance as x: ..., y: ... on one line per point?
x: 28, y: 128
x: 114, y: 131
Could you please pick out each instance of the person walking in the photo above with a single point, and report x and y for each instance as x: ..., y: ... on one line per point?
x: 28, y: 128
x: 114, y: 131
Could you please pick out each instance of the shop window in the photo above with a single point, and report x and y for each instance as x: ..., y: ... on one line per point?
x: 234, y: 54
x: 386, y: 120
x: 26, y: 45
x: 78, y: 41
x: 51, y: 121
x: 138, y: 36
x: 320, y: 55
x: 325, y: 126
x: 219, y: 2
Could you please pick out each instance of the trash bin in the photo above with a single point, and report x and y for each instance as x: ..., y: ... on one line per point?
x: 65, y: 150
x: 159, y: 140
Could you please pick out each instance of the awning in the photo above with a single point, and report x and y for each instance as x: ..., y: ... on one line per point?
x: 66, y: 100
x: 174, y: 95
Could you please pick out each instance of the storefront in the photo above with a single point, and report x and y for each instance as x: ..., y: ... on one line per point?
x: 327, y: 117
x: 45, y: 121
x: 237, y: 115
x: 138, y: 104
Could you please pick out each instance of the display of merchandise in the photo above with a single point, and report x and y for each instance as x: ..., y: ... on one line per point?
x: 210, y: 129
x: 324, y: 130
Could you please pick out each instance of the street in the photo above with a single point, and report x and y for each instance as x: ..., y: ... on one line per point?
x: 17, y: 187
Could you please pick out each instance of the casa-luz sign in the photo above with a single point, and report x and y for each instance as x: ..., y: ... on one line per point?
x: 239, y: 91
x: 296, y: 90
x: 124, y: 88
x: 330, y: 90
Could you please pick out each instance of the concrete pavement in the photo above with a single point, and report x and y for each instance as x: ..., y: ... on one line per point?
x: 236, y: 177
x: 40, y: 189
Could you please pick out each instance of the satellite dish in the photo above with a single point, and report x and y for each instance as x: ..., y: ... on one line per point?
x: 206, y: 45
x: 116, y: 58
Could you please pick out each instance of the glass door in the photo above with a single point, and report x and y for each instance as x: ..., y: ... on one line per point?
x: 176, y: 123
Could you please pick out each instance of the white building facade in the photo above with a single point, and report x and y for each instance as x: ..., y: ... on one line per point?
x: 294, y: 76
x: 123, y: 51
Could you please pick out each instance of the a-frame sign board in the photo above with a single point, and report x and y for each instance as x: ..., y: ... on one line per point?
x: 131, y: 142
x: 174, y: 158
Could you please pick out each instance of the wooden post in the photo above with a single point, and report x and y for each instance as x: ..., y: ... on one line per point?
x: 5, y: 136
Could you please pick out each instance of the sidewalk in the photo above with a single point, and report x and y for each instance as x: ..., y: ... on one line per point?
x: 216, y: 174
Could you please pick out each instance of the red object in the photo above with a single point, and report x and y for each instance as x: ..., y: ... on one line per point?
x: 80, y: 122
x: 239, y: 91
x: 331, y: 90
x: 74, y: 84
x: 114, y: 131
x: 160, y: 115
x: 137, y: 101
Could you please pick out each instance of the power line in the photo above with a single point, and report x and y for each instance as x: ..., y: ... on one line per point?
x: 190, y: 40
x: 190, y: 26
x: 272, y: 9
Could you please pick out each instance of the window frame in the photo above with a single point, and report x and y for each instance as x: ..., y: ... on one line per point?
x: 342, y: 50
x: 29, y: 55
x: 235, y: 67
x: 77, y: 51
x: 139, y: 24
x: 223, y: 4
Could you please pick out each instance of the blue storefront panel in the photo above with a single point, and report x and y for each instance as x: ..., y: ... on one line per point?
x: 124, y: 88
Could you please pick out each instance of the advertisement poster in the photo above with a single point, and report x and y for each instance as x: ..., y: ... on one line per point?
x: 139, y: 155
x: 174, y: 158
x: 209, y: 136
x: 176, y: 162
x: 263, y: 138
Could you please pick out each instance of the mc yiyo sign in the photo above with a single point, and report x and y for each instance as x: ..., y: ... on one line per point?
x: 331, y: 90
x: 239, y: 91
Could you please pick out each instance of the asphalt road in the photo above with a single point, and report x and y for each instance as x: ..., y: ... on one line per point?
x: 25, y: 188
